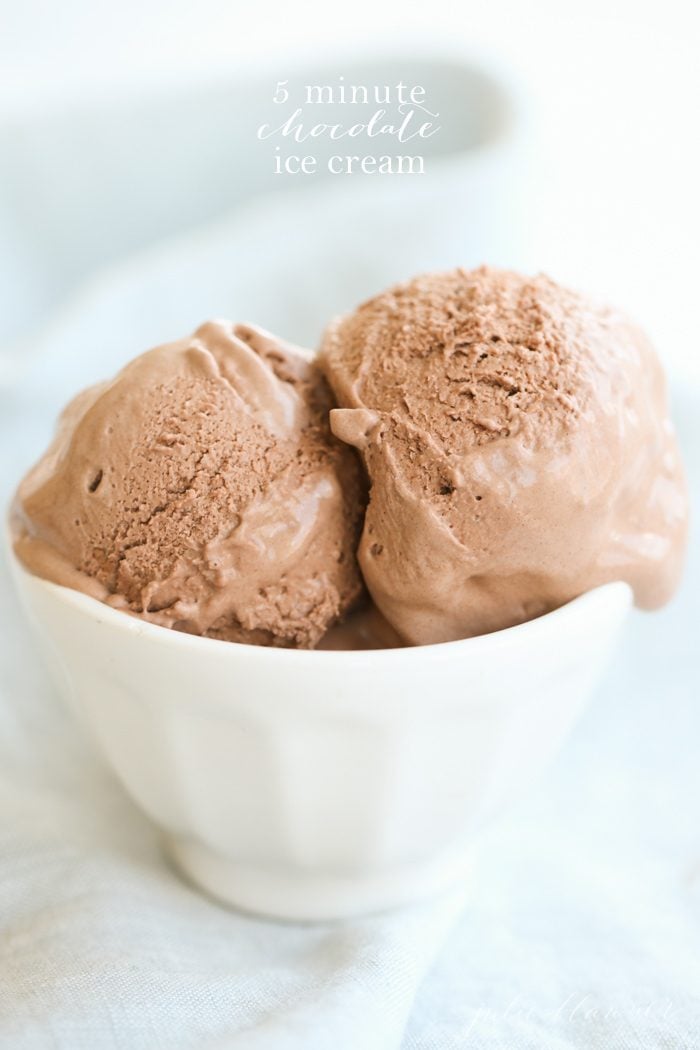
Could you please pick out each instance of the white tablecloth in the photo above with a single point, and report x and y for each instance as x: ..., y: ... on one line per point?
x: 579, y: 928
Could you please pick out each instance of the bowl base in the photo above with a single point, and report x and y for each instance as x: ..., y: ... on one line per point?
x: 310, y: 897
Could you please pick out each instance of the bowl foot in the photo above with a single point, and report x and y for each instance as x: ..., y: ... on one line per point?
x: 309, y: 896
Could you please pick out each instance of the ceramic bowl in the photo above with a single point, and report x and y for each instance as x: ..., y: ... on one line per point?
x: 318, y: 785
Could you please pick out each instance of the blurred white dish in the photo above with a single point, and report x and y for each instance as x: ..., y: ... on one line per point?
x: 173, y: 203
x: 317, y: 785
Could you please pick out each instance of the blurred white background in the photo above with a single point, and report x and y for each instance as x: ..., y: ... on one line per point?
x: 611, y: 92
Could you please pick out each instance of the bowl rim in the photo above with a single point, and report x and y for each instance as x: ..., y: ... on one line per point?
x: 618, y: 592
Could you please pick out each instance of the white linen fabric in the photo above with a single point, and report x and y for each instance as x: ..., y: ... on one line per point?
x: 579, y: 927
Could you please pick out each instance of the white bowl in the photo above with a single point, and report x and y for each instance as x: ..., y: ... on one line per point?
x: 317, y: 785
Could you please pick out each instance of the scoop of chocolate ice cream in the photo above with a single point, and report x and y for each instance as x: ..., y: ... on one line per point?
x: 201, y: 489
x: 518, y: 447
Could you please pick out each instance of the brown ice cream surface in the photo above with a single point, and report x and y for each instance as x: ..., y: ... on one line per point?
x: 201, y: 489
x: 363, y: 628
x: 518, y: 447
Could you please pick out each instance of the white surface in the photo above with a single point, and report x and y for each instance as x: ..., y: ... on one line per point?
x: 323, y: 785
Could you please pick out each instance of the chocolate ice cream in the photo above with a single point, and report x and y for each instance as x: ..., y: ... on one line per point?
x: 202, y: 490
x: 518, y: 446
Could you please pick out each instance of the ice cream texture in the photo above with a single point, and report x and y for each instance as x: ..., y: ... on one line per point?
x: 518, y: 447
x: 201, y: 489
